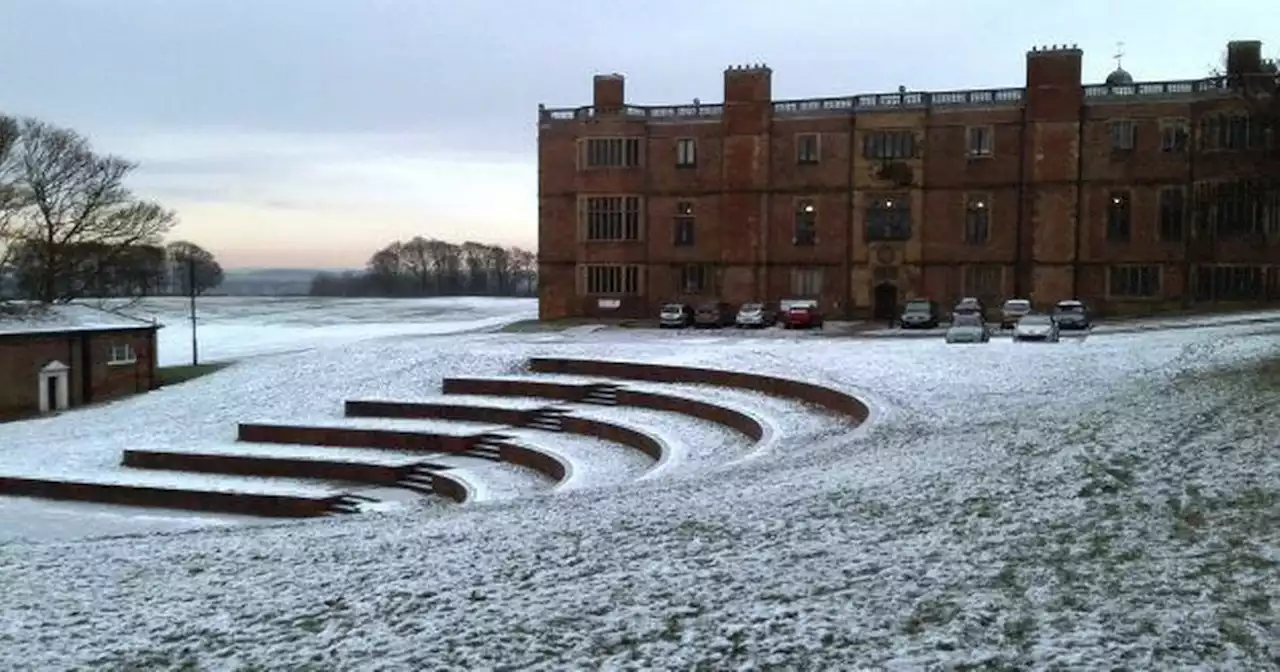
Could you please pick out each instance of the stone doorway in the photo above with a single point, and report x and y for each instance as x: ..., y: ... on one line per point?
x: 55, y: 387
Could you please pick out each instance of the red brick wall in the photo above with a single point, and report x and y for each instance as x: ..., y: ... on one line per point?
x: 21, y: 358
x: 1046, y: 183
x: 111, y: 381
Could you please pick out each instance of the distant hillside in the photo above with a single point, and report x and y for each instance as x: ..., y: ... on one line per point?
x: 269, y: 281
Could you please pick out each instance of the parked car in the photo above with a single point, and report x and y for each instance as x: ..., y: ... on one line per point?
x: 713, y: 315
x: 756, y: 315
x: 1072, y: 314
x: 919, y: 314
x: 801, y: 314
x: 675, y: 316
x: 1036, y: 327
x: 968, y: 328
x: 969, y: 306
x: 1012, y: 311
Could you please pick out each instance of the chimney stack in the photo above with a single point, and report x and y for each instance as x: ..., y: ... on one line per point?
x: 609, y: 92
x: 1244, y: 57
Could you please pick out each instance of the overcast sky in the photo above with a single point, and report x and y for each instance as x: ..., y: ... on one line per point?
x: 311, y: 132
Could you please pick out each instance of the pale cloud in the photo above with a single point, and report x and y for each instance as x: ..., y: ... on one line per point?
x: 348, y: 194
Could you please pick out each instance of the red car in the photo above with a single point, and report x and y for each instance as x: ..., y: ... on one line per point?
x: 801, y: 315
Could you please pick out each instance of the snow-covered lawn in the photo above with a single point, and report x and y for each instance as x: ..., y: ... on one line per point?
x: 237, y: 327
x: 1104, y: 502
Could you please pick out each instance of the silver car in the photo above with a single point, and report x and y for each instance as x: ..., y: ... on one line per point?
x: 1036, y: 327
x: 968, y: 328
x: 755, y: 315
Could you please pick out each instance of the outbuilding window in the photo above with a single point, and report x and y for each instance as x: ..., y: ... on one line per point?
x: 122, y: 353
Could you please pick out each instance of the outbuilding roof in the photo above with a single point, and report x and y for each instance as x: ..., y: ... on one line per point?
x: 21, y: 318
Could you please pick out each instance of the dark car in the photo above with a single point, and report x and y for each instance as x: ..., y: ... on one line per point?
x: 713, y: 315
x: 919, y: 314
x: 756, y: 316
x: 675, y: 316
x: 801, y: 314
x: 969, y: 306
x: 1072, y: 314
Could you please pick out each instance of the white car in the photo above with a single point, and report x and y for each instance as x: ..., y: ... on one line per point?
x: 1036, y: 327
x: 968, y: 329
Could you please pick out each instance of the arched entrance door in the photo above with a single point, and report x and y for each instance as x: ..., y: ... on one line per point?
x: 885, y: 302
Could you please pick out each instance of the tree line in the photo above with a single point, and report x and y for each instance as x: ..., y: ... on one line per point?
x: 70, y: 228
x: 429, y: 267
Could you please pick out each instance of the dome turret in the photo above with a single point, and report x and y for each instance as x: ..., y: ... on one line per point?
x: 1120, y: 77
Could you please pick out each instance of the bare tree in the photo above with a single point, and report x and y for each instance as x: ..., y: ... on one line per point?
x: 10, y: 200
x: 418, y: 264
x: 499, y: 263
x: 475, y: 258
x: 193, y: 268
x: 429, y: 267
x: 448, y: 260
x: 71, y: 198
x: 386, y: 270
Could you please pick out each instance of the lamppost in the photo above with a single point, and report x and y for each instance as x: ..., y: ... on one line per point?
x: 191, y: 294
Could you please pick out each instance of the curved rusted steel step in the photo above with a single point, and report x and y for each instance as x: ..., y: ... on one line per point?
x: 608, y: 395
x: 493, y: 446
x: 785, y: 388
x: 422, y: 477
x: 188, y: 499
x: 547, y: 418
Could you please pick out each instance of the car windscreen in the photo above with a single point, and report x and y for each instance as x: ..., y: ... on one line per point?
x: 672, y: 308
x: 1035, y: 320
x: 918, y: 307
x: 1070, y: 308
x: 1017, y: 305
x: 967, y: 321
x: 751, y: 307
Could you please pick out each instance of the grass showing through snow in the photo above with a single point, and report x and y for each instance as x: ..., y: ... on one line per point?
x: 172, y: 375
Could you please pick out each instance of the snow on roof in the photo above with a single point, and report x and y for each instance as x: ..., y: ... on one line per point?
x: 29, y: 318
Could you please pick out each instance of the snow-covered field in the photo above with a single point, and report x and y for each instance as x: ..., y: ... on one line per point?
x: 1109, y: 502
x: 235, y: 327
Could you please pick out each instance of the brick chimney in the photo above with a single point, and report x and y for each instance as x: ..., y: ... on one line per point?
x: 1244, y: 57
x: 609, y: 92
x: 748, y: 84
x: 1054, y: 86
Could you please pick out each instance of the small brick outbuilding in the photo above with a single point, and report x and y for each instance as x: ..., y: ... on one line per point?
x: 53, y: 358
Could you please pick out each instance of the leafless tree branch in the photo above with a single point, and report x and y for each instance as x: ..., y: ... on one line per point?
x: 10, y: 195
x: 73, y: 199
x: 194, y: 269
